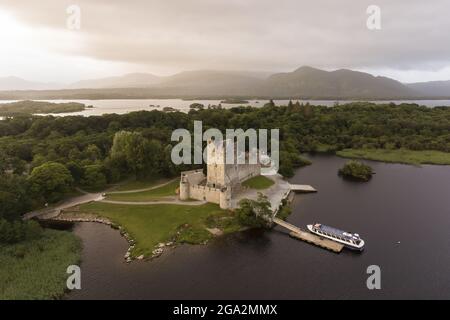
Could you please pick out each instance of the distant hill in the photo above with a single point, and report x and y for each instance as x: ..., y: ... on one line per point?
x: 432, y: 88
x: 304, y: 82
x: 15, y: 83
x: 317, y: 84
x: 211, y: 83
x: 131, y: 80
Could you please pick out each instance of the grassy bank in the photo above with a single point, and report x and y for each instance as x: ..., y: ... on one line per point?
x: 398, y: 156
x: 154, y: 194
x: 37, y: 269
x: 258, y: 183
x: 135, y: 184
x: 150, y: 225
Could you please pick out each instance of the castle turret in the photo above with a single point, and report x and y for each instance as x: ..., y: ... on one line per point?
x: 184, y: 188
x: 225, y: 198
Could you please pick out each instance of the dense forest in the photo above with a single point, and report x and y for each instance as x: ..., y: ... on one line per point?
x: 43, y: 158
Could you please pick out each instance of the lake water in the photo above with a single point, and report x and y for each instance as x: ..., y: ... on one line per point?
x: 121, y: 106
x: 402, y: 203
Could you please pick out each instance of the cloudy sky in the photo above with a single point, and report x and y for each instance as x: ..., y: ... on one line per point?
x: 169, y: 36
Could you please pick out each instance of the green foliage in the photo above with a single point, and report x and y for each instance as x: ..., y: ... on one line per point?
x: 258, y: 182
x: 50, y: 181
x: 398, y: 156
x: 167, y: 190
x: 132, y: 153
x: 76, y: 170
x: 36, y: 268
x: 94, y: 177
x: 356, y: 170
x: 28, y: 106
x: 14, y: 197
x: 198, y: 106
x: 17, y: 231
x: 193, y: 235
x: 284, y: 211
x: 254, y: 213
x: 151, y: 224
x: 27, y: 142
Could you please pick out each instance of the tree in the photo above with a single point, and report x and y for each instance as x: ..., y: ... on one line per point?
x: 14, y: 197
x: 132, y: 153
x: 270, y: 104
x: 290, y: 104
x: 92, y: 152
x: 356, y: 170
x: 76, y: 170
x: 255, y: 213
x: 50, y: 181
x: 94, y: 176
x: 16, y: 231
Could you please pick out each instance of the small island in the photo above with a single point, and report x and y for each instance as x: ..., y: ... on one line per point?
x: 234, y: 101
x: 169, y: 109
x: 197, y: 105
x: 42, y: 107
x: 356, y: 170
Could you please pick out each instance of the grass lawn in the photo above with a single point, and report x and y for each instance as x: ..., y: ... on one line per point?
x: 149, y: 225
x: 398, y: 156
x: 259, y: 183
x: 37, y: 269
x: 154, y: 194
x: 134, y: 184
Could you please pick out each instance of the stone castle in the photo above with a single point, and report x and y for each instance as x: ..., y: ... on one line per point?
x: 222, y: 181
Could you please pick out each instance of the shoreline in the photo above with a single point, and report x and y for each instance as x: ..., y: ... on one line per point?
x: 398, y: 156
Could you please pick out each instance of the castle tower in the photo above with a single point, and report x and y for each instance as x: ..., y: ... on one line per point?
x: 184, y: 188
x: 215, y: 164
x: 225, y: 198
x: 219, y: 173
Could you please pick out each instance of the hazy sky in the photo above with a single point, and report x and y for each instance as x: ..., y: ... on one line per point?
x: 168, y: 36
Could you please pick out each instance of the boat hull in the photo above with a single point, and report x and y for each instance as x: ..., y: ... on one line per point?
x: 358, y: 248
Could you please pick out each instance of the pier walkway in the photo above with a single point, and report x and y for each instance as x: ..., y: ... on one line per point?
x: 302, y: 188
x: 298, y: 233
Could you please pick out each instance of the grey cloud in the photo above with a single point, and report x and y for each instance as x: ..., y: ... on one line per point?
x: 253, y: 34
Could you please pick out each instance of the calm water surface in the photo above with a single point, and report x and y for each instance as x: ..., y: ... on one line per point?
x: 121, y: 106
x: 401, y: 203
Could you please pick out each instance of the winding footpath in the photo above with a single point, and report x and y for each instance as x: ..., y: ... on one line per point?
x: 166, y: 201
x: 54, y: 211
x: 144, y: 189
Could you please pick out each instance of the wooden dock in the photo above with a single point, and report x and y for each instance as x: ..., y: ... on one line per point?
x: 302, y: 188
x: 309, y: 237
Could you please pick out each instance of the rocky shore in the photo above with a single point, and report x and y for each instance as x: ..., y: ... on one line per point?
x: 74, y: 215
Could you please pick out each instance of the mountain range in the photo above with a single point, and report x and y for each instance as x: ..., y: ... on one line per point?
x: 304, y: 82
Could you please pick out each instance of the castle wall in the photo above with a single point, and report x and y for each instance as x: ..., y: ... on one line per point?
x: 205, y: 193
x: 195, y: 177
x: 247, y: 171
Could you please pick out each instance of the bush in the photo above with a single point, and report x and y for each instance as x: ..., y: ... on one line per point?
x: 17, y: 231
x: 94, y: 177
x: 356, y: 170
x: 50, y: 181
x: 253, y: 213
x: 193, y: 235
